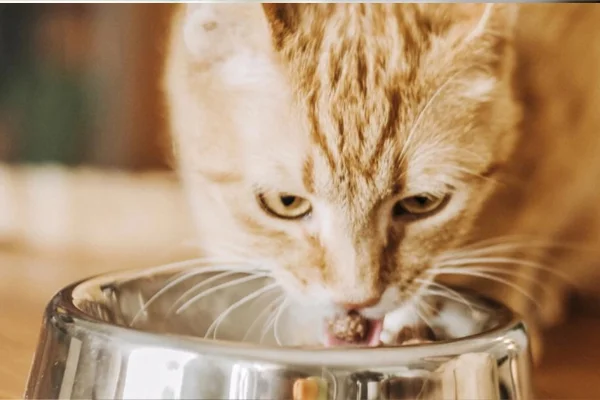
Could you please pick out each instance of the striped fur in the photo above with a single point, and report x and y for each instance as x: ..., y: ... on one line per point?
x: 354, y: 106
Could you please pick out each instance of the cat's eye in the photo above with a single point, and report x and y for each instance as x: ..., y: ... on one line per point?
x: 419, y: 205
x: 284, y: 205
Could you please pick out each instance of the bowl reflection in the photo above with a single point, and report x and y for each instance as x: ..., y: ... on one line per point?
x: 174, y: 333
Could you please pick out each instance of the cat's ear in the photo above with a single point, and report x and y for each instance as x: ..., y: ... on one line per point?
x: 215, y: 31
x: 491, y: 34
x: 473, y: 21
x: 282, y: 19
x: 492, y: 20
x: 476, y: 33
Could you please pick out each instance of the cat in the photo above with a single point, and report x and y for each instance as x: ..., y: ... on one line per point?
x: 361, y: 150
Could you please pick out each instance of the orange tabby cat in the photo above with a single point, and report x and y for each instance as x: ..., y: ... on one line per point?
x: 361, y: 150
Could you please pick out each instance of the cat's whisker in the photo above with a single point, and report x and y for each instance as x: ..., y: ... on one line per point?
x: 464, y: 272
x: 446, y: 295
x: 497, y: 249
x: 513, y: 238
x: 202, y: 262
x: 429, y: 307
x: 439, y: 149
x: 213, y: 289
x: 276, y: 322
x: 475, y: 174
x: 447, y: 292
x: 506, y: 261
x: 196, y: 287
x: 513, y: 243
x: 463, y: 152
x: 421, y: 315
x: 254, y: 295
x: 440, y: 89
x: 263, y: 314
x: 200, y: 266
x: 423, y: 285
x: 270, y: 321
x: 502, y: 271
x: 502, y: 261
x: 498, y: 270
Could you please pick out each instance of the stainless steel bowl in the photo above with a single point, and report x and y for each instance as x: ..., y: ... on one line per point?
x: 113, y: 337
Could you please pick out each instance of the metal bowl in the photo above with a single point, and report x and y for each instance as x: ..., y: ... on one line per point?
x: 130, y: 336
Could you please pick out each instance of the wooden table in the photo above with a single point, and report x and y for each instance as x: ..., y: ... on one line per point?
x: 571, y: 369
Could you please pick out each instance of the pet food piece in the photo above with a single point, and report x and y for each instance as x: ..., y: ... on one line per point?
x: 351, y: 327
x: 312, y: 388
x: 415, y: 334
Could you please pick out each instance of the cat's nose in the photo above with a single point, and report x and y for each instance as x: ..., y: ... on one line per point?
x: 358, y: 306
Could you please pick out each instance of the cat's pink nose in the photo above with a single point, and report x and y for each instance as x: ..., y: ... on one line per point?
x: 357, y: 306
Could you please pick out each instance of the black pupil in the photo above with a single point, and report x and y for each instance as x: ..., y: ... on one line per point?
x: 288, y: 200
x: 422, y: 200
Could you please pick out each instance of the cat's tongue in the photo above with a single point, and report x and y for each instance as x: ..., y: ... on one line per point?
x: 373, y: 328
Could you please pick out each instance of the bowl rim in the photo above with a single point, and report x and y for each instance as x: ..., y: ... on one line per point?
x: 61, y: 310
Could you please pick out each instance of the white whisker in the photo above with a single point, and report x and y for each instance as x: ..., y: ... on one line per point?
x: 201, y: 266
x: 422, y: 112
x: 422, y: 315
x: 448, y: 293
x: 219, y: 287
x: 215, y: 325
x: 429, y: 307
x: 511, y: 243
x: 467, y: 171
x: 196, y: 287
x: 264, y: 313
x: 501, y: 271
x: 508, y: 240
x: 459, y: 271
x: 506, y: 261
x: 270, y: 321
x: 276, y: 323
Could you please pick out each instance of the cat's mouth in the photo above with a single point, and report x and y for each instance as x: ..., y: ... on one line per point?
x: 352, y: 329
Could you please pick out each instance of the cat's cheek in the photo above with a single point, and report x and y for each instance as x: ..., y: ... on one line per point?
x: 304, y: 291
x: 252, y: 71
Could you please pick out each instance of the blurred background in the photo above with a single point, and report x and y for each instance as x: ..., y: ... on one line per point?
x: 79, y: 84
x: 86, y: 184
x: 81, y: 110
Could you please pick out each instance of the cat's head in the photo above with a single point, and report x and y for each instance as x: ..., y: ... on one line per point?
x: 346, y: 146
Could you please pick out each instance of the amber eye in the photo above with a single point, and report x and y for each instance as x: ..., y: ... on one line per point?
x: 284, y: 205
x: 418, y: 205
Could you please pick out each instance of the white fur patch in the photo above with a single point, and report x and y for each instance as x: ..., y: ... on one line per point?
x: 480, y: 89
x: 389, y: 301
x: 396, y: 320
x: 456, y: 321
x: 215, y: 32
x: 247, y: 68
x: 205, y: 36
